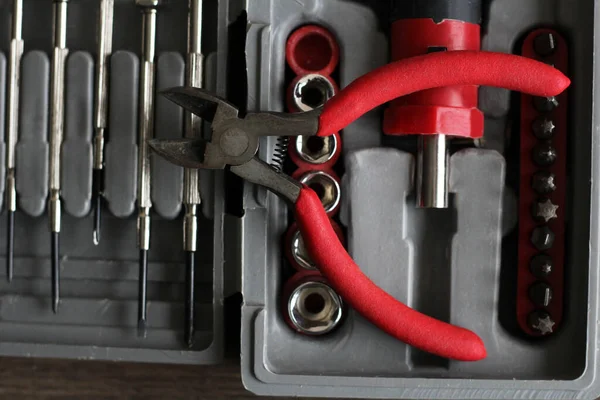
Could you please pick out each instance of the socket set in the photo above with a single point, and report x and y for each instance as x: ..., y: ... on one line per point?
x: 310, y: 305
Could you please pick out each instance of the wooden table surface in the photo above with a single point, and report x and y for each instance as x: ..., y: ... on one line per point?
x: 34, y: 378
x: 27, y: 378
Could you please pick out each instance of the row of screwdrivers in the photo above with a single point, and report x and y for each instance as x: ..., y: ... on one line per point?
x: 191, y: 200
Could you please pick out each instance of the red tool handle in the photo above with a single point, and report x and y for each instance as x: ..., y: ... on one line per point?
x: 384, y: 311
x: 438, y: 70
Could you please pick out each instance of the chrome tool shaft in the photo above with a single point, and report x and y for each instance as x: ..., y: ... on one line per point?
x: 191, y: 183
x: 57, y: 114
x: 145, y: 132
x: 12, y: 129
x: 105, y: 38
x: 432, y: 171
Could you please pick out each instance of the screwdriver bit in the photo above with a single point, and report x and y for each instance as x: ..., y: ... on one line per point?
x: 540, y: 294
x: 540, y: 321
x: 543, y: 182
x: 544, y: 154
x: 541, y: 266
x: 544, y: 210
x: 543, y: 128
x: 542, y: 238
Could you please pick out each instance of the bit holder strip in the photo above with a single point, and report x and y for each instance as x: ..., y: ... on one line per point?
x: 542, y: 195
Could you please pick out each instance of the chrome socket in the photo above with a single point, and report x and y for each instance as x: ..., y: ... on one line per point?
x: 311, y: 91
x: 316, y: 149
x: 300, y: 254
x: 326, y: 187
x: 314, y: 308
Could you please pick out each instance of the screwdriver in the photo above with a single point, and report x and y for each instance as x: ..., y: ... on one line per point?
x: 14, y: 77
x: 145, y: 132
x: 57, y: 109
x: 105, y: 33
x: 191, y: 189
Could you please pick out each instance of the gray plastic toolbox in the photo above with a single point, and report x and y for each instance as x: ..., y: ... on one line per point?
x: 387, y: 236
x: 446, y: 263
x: 99, y: 288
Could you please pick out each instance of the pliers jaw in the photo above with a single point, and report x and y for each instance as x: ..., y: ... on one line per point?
x: 233, y: 141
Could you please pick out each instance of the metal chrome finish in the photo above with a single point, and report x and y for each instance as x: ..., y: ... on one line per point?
x: 543, y: 128
x: 12, y: 127
x: 544, y: 154
x: 190, y: 228
x: 105, y: 38
x: 541, y: 266
x: 191, y: 184
x: 54, y: 211
x: 544, y: 210
x: 145, y: 133
x: 326, y: 187
x: 540, y: 293
x: 312, y: 91
x: 543, y: 182
x: 11, y: 191
x: 541, y: 322
x: 316, y: 149
x: 315, y: 308
x: 300, y: 253
x: 57, y: 116
x: 14, y: 77
x: 545, y: 104
x: 542, y: 238
x: 432, y: 171
x: 144, y: 228
x: 57, y: 91
x: 146, y: 107
x: 545, y: 44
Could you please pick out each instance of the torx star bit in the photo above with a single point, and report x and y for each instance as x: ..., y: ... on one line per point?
x: 544, y: 210
x: 105, y: 37
x: 12, y: 130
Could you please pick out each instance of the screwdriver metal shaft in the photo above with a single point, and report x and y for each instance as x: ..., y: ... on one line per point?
x: 145, y: 132
x: 57, y: 111
x: 12, y: 130
x: 191, y: 187
x: 105, y: 38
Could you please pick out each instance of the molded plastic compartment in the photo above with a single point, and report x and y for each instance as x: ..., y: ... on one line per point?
x: 451, y: 263
x: 99, y: 285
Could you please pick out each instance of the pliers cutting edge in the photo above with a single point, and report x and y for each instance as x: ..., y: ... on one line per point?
x: 234, y: 144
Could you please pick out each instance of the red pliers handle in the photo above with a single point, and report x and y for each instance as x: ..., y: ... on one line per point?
x: 367, y: 92
x: 235, y: 143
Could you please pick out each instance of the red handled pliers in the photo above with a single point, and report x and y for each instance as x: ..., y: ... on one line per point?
x: 234, y: 144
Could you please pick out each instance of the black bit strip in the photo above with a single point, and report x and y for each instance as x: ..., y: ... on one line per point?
x: 189, y: 328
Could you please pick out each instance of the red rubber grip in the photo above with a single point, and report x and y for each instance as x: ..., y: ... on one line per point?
x: 384, y: 311
x: 434, y: 70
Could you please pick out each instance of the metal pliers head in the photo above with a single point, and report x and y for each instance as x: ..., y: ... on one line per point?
x: 234, y: 143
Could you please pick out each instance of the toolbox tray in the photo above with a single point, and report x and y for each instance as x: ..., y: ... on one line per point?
x: 242, y: 251
x: 99, y: 284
